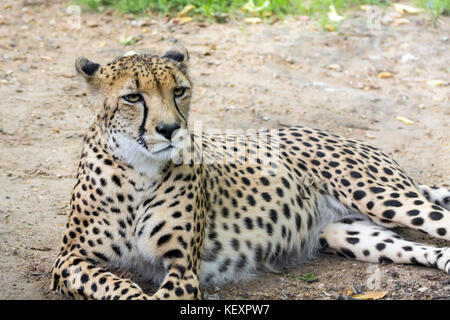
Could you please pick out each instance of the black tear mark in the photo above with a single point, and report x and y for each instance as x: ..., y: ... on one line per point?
x: 142, y: 130
x: 179, y: 111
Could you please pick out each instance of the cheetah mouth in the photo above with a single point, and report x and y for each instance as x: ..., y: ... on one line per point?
x: 176, y: 143
x: 155, y: 146
x: 162, y: 147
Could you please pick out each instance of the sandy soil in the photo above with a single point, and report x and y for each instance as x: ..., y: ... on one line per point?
x: 246, y: 76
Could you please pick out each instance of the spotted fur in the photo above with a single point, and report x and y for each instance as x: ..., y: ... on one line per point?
x: 207, y: 221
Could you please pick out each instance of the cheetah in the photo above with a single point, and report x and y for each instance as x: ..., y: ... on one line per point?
x: 187, y: 209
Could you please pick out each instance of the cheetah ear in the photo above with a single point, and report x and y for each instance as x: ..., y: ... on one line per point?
x: 86, y: 68
x: 178, y: 54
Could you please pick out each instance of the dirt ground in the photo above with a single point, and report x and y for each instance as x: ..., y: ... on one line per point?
x: 246, y: 76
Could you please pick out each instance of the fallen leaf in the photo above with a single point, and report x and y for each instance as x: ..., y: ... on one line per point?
x: 128, y: 41
x: 182, y: 20
x: 185, y: 10
x: 45, y: 58
x: 92, y: 24
x: 370, y: 295
x: 348, y: 292
x: 333, y: 16
x: 404, y: 120
x: 408, y: 57
x: 436, y: 83
x: 253, y: 20
x: 145, y: 23
x: 3, y: 21
x: 101, y: 44
x: 68, y: 75
x: 402, y: 8
x: 330, y: 27
x: 335, y: 67
x: 384, y: 75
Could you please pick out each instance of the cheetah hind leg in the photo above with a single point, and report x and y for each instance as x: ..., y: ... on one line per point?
x: 366, y: 241
x: 436, y: 195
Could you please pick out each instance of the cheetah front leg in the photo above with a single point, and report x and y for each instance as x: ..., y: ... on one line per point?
x: 179, y: 283
x: 79, y: 278
x: 172, y: 232
x: 365, y: 241
x: 174, y: 238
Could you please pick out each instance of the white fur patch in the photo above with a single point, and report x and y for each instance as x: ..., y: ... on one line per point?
x: 329, y: 210
x: 440, y: 196
x: 145, y: 161
x: 134, y: 154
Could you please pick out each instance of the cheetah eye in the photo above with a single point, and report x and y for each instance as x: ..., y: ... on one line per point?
x: 179, y: 91
x: 133, y: 97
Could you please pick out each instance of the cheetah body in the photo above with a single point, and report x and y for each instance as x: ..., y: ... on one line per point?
x: 236, y: 208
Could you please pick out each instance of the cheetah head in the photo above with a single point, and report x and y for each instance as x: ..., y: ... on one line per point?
x: 143, y: 104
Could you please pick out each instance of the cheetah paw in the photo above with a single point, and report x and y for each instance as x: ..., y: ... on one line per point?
x: 443, y: 261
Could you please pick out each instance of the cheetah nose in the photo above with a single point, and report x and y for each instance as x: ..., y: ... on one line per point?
x: 166, y: 130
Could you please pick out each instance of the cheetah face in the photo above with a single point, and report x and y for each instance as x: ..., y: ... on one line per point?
x: 143, y: 102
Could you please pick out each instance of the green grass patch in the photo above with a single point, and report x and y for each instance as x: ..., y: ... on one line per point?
x: 435, y: 8
x: 310, y: 277
x: 206, y: 8
x: 317, y: 9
